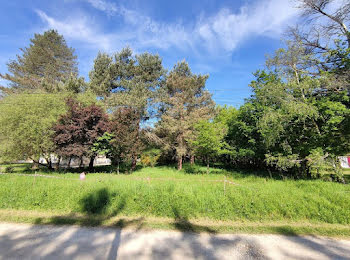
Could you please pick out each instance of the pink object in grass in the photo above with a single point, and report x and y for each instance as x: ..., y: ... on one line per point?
x: 82, y: 176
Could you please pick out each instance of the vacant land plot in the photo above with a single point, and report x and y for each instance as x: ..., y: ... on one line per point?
x: 164, y: 197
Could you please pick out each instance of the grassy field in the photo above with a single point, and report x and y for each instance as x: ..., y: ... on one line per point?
x: 165, y: 198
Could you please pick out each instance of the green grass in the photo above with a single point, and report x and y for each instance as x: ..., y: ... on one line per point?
x: 346, y: 171
x: 177, y: 197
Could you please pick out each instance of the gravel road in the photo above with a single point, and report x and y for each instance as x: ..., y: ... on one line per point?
x: 20, y: 241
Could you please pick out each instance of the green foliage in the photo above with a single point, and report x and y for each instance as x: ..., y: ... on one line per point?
x: 128, y: 80
x: 321, y: 164
x: 282, y: 162
x: 43, y: 66
x: 150, y: 157
x: 194, y: 169
x: 9, y: 169
x: 103, y: 145
x: 243, y: 136
x: 208, y: 141
x: 26, y: 122
x: 291, y: 114
x: 74, y: 85
x: 225, y: 115
x: 126, y: 142
x: 186, y: 103
x: 296, y: 121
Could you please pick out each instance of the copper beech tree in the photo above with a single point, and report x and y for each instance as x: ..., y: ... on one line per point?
x: 78, y: 129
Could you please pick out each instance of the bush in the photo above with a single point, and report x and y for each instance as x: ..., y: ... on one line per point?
x: 321, y: 164
x: 150, y: 157
x: 193, y: 169
x: 9, y: 169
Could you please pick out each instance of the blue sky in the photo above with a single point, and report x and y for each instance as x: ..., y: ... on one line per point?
x: 226, y: 39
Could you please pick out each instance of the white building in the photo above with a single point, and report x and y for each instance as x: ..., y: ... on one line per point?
x: 344, y: 161
x: 75, y: 162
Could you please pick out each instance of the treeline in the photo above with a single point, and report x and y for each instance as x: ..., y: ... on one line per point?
x: 296, y: 121
x: 47, y: 109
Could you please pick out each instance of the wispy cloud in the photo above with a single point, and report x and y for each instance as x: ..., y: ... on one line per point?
x: 79, y: 29
x: 228, y: 30
x: 222, y: 32
x: 108, y: 7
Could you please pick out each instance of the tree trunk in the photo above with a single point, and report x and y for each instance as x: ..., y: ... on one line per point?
x: 192, y: 159
x: 118, y: 167
x: 179, y: 163
x: 268, y: 169
x: 57, y: 167
x: 91, y: 164
x: 35, y: 165
x: 133, y: 165
x: 69, y: 161
x: 207, y: 165
x: 49, y: 163
x: 81, y: 164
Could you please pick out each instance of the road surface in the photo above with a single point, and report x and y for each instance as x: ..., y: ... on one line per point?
x: 20, y: 241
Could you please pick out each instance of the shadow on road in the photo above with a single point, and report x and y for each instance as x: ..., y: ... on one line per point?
x: 62, y: 242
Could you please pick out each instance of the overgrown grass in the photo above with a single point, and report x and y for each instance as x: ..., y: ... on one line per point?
x: 182, y: 197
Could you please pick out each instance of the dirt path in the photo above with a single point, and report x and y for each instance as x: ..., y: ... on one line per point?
x: 20, y: 241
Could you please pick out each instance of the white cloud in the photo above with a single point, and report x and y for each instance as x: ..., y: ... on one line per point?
x: 108, y: 7
x: 228, y: 30
x: 218, y: 33
x: 79, y: 29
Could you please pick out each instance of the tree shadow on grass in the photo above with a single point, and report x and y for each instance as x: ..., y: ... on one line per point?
x: 96, y: 202
x: 182, y: 224
x: 94, y: 207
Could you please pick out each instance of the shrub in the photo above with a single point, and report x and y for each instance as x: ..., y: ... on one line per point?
x: 150, y: 157
x: 9, y: 169
x: 193, y: 169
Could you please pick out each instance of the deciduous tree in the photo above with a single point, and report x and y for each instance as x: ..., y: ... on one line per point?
x: 78, y: 129
x: 26, y: 125
x: 208, y: 140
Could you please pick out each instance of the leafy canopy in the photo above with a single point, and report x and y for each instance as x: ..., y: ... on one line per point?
x: 26, y: 124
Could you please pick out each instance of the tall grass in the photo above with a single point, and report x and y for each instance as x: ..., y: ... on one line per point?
x: 173, y: 194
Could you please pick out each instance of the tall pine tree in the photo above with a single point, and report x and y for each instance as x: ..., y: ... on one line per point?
x: 128, y: 80
x: 45, y: 65
x: 185, y: 104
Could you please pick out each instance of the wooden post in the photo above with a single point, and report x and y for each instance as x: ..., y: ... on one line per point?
x: 225, y: 186
x: 34, y: 178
